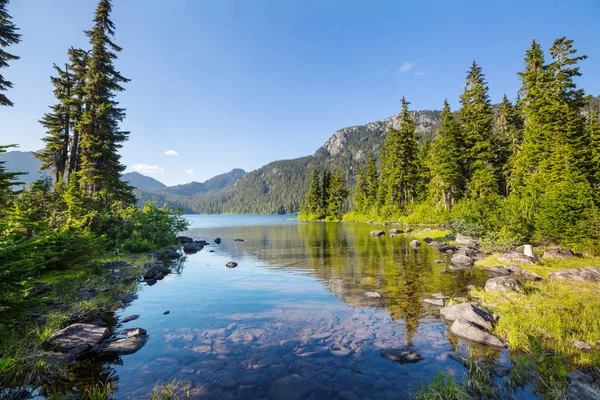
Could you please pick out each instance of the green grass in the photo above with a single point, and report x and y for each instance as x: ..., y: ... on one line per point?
x: 175, y: 390
x: 553, y: 312
x: 443, y: 387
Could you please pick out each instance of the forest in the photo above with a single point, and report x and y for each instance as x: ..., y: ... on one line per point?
x: 527, y: 172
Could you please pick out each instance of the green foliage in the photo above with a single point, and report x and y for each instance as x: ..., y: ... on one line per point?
x: 8, y: 37
x: 325, y: 197
x: 7, y: 180
x: 443, y: 387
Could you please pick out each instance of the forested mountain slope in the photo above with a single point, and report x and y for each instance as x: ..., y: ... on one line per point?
x: 280, y: 186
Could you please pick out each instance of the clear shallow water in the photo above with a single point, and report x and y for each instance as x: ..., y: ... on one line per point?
x: 295, y: 304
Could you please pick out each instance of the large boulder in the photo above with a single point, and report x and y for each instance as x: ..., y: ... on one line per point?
x: 193, y: 247
x: 395, y: 232
x: 579, y: 390
x: 77, y: 338
x: 135, y: 340
x: 469, y: 311
x: 590, y: 274
x: 155, y: 271
x: 295, y: 387
x: 475, y: 333
x: 498, y: 270
x: 502, y: 284
x: 377, y: 233
x: 466, y: 241
x: 518, y: 258
x: 558, y: 253
x: 403, y: 355
x: 462, y: 260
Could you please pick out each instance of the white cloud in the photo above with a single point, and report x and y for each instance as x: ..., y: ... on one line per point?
x: 419, y: 73
x: 190, y: 172
x: 147, y: 169
x: 171, y: 153
x: 406, y: 66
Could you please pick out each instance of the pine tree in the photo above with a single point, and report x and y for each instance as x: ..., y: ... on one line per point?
x: 506, y: 139
x: 372, y: 182
x: 100, y: 168
x: 338, y: 194
x: 445, y: 162
x: 325, y: 191
x: 475, y: 117
x: 313, y: 199
x: 78, y: 59
x: 424, y: 170
x: 362, y: 185
x: 58, y: 125
x: 593, y: 132
x: 399, y: 163
x: 7, y: 180
x: 8, y: 37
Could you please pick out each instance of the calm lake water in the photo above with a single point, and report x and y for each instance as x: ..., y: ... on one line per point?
x: 295, y: 304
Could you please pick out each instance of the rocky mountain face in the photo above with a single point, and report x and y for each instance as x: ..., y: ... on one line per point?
x: 143, y: 182
x: 279, y: 187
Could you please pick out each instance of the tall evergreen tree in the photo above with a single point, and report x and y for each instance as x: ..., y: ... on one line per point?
x: 100, y: 168
x: 445, y: 162
x: 593, y: 132
x: 7, y: 180
x: 8, y: 37
x: 399, y: 163
x: 78, y: 59
x: 362, y: 184
x: 475, y: 117
x: 506, y: 139
x: 326, y: 182
x: 58, y: 125
x: 337, y: 196
x: 372, y: 182
x: 312, y: 201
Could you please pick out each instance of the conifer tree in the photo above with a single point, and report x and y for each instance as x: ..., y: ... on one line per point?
x: 326, y: 182
x: 360, y: 196
x: 506, y: 139
x: 475, y: 117
x: 8, y: 37
x: 372, y: 182
x: 593, y: 132
x: 58, y: 125
x: 337, y: 196
x: 78, y: 63
x: 100, y: 168
x: 7, y: 180
x: 445, y: 163
x: 312, y: 201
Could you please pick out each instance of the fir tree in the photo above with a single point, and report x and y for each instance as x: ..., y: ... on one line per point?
x: 372, y: 182
x: 78, y: 63
x: 445, y: 163
x: 362, y: 185
x: 337, y: 196
x: 593, y: 132
x: 100, y: 168
x: 58, y: 124
x: 8, y: 37
x: 506, y: 139
x: 312, y: 202
x: 475, y: 117
x: 325, y: 190
x: 7, y: 180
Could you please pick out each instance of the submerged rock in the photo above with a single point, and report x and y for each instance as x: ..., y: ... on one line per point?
x: 462, y: 260
x: 377, y: 233
x: 475, y: 333
x: 231, y: 264
x: 503, y: 284
x: 403, y: 355
x: 130, y: 318
x: 470, y: 312
x: 77, y: 338
x: 415, y: 244
x: 135, y: 340
x: 295, y: 387
x: 558, y: 253
x: 590, y: 274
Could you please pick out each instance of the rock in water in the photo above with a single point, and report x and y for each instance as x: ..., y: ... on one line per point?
x: 558, y: 253
x: 295, y: 387
x: 395, y: 232
x: 184, y: 239
x: 231, y: 264
x: 372, y: 294
x: 470, y: 312
x: 408, y: 230
x: 590, y: 274
x: 503, y: 284
x: 462, y: 260
x: 238, y: 240
x: 466, y: 241
x: 403, y: 355
x: 218, y: 240
x: 155, y: 271
x: 135, y: 340
x: 434, y: 302
x: 415, y: 244
x: 473, y: 332
x: 377, y: 233
x: 77, y: 338
x: 193, y: 247
x: 130, y: 318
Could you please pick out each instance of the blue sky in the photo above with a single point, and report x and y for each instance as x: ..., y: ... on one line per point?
x: 228, y: 84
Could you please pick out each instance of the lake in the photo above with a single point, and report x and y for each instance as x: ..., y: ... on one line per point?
x: 295, y: 304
